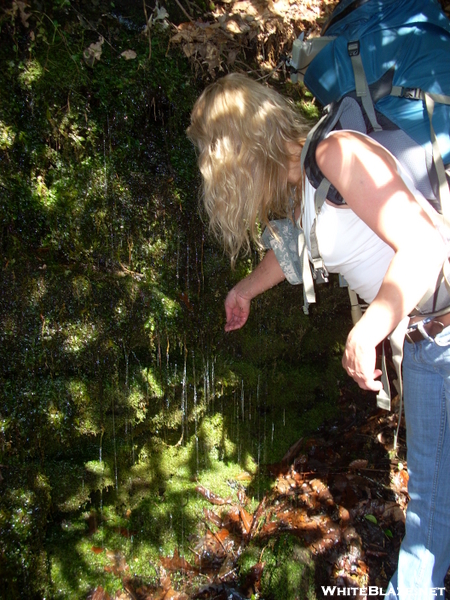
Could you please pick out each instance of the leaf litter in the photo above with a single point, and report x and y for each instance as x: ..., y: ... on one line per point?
x: 246, y: 32
x: 343, y: 493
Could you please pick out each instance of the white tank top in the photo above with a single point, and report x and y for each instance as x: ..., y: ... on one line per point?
x: 348, y: 246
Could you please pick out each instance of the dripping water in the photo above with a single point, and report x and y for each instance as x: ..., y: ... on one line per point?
x: 195, y: 411
x: 178, y: 259
x: 184, y: 399
x: 213, y: 383
x: 114, y: 444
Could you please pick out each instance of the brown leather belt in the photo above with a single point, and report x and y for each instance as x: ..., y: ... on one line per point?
x: 431, y: 328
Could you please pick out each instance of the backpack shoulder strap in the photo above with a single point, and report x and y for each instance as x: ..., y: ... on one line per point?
x: 361, y: 85
x: 340, y: 13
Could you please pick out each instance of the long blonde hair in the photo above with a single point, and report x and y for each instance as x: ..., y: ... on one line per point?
x: 241, y: 129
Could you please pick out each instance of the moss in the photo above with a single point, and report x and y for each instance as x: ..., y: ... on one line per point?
x: 288, y: 569
x: 24, y: 510
x: 120, y: 391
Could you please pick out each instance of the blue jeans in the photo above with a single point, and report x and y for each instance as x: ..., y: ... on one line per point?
x: 425, y: 551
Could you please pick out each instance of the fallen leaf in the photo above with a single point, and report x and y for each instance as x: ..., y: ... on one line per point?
x: 211, y: 496
x: 371, y: 518
x: 118, y: 561
x: 177, y: 563
x: 126, y: 532
x: 93, y: 52
x: 360, y: 463
x: 247, y: 520
x: 244, y: 476
x: 129, y: 54
x: 212, y: 517
x: 99, y: 594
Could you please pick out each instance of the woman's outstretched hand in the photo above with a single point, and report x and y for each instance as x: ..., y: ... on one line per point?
x: 237, y: 309
x: 237, y: 304
x: 359, y: 362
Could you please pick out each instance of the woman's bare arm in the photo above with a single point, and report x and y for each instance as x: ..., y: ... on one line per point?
x: 366, y: 176
x: 237, y: 304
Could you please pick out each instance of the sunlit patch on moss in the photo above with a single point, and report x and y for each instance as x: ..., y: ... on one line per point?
x: 288, y: 568
x: 7, y: 136
x: 38, y: 289
x: 31, y: 72
x: 81, y: 286
x: 79, y: 335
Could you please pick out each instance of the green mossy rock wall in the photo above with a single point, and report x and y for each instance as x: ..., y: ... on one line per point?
x: 119, y: 389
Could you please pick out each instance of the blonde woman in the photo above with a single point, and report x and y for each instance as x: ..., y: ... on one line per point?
x: 385, y: 242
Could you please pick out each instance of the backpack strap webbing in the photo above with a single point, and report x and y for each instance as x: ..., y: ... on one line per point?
x: 444, y: 194
x: 397, y: 339
x: 319, y: 273
x: 309, y: 295
x: 361, y: 85
x: 429, y: 100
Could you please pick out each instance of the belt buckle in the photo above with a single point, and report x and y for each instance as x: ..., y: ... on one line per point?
x: 435, y: 328
x: 422, y: 330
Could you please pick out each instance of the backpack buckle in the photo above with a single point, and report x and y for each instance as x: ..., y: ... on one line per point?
x: 319, y: 271
x: 353, y: 48
x: 412, y: 93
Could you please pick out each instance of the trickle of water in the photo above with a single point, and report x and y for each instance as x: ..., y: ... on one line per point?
x: 195, y: 410
x: 100, y: 450
x: 258, y: 470
x: 213, y: 382
x: 242, y: 401
x: 184, y: 399
x: 114, y: 444
x: 102, y: 471
x: 206, y: 387
x: 237, y: 419
x: 187, y: 268
x: 178, y: 258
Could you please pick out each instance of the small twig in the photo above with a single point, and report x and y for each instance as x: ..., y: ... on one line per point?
x: 270, y: 73
x: 148, y: 32
x: 81, y: 16
x: 184, y: 11
x: 227, y: 574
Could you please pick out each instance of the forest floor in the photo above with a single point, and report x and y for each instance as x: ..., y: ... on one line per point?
x: 342, y: 494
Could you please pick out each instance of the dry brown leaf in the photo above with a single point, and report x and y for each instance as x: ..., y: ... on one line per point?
x: 177, y: 563
x: 246, y: 519
x: 211, y: 496
x: 212, y: 517
x: 129, y: 54
x: 100, y: 594
x: 93, y: 52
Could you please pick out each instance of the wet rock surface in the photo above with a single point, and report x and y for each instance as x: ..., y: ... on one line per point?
x: 338, y: 502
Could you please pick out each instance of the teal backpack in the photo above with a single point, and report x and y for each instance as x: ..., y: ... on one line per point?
x: 382, y: 68
x: 393, y: 58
